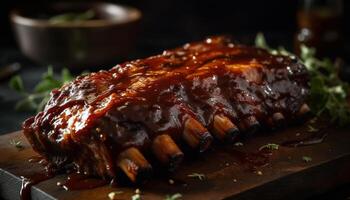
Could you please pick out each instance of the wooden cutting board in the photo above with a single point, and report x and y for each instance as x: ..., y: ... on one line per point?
x: 228, y: 175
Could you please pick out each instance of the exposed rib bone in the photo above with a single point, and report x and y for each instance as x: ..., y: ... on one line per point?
x: 196, y: 135
x: 224, y: 129
x: 134, y: 164
x: 167, y: 152
x: 304, y: 110
x: 250, y: 125
x: 277, y: 120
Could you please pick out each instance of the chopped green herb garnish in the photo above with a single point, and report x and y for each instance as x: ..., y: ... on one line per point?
x: 36, y: 100
x: 16, y: 143
x: 72, y: 17
x: 137, y: 195
x: 269, y: 146
x: 173, y: 197
x: 238, y: 144
x: 197, y: 175
x: 307, y: 158
x: 112, y: 195
x: 312, y: 129
x: 328, y: 93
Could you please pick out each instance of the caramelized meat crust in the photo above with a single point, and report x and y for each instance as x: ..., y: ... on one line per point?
x: 107, y: 121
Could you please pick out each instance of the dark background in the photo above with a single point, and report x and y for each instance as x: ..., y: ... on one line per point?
x: 172, y: 22
x: 166, y: 24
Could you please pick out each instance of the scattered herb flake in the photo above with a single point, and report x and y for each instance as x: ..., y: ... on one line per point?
x: 112, y: 195
x: 16, y: 143
x: 138, y: 191
x: 312, y: 129
x: 238, y: 144
x: 269, y: 146
x: 307, y: 158
x: 197, y: 175
x: 136, y: 197
x: 173, y: 197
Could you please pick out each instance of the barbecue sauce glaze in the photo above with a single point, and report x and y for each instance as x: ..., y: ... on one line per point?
x: 89, y: 121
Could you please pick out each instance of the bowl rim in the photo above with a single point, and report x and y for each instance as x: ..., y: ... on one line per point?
x: 133, y: 15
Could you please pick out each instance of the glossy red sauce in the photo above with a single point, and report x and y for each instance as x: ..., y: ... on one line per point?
x: 90, y: 120
x: 28, y: 181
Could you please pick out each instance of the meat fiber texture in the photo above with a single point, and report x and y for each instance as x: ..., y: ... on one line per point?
x: 91, y: 120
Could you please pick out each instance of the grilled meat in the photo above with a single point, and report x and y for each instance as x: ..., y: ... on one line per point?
x: 108, y: 121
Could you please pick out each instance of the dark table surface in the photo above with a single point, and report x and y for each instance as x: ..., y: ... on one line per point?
x: 10, y: 120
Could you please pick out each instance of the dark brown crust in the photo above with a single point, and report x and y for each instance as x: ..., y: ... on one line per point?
x: 92, y: 119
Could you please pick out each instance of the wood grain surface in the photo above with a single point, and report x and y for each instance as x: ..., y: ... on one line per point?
x: 286, y: 175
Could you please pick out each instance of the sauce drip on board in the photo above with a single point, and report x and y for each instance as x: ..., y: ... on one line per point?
x: 28, y: 181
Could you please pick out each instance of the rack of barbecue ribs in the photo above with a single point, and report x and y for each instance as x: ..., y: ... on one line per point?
x: 110, y: 122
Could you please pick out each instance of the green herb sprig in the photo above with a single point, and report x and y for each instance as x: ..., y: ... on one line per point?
x: 36, y: 100
x: 328, y: 93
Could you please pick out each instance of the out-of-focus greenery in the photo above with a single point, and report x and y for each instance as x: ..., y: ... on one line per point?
x: 36, y: 100
x: 72, y: 17
x: 328, y: 93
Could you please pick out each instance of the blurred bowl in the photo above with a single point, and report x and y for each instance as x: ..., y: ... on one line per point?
x: 109, y: 35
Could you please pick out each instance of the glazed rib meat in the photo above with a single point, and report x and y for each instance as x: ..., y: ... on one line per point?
x: 112, y: 121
